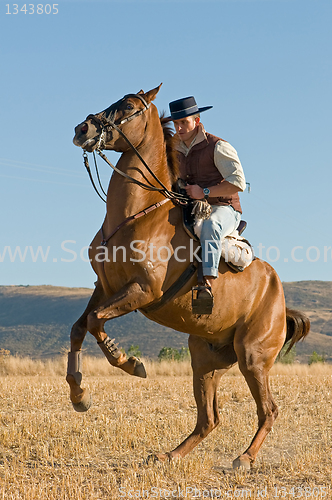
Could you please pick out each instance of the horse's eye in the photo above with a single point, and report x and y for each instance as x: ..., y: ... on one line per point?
x: 129, y: 106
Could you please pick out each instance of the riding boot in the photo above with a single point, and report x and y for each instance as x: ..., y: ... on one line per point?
x: 205, y: 291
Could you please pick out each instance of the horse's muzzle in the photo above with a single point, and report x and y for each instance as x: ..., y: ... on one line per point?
x: 85, y: 137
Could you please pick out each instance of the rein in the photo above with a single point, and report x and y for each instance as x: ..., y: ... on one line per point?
x: 87, y: 166
x: 105, y: 123
x: 146, y: 211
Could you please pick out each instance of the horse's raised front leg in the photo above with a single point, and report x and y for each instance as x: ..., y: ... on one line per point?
x: 80, y: 396
x: 130, y: 297
x: 208, y: 366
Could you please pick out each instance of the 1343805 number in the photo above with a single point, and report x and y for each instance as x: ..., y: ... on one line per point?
x: 31, y: 8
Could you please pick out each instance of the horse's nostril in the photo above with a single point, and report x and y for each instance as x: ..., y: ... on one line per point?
x: 84, y: 128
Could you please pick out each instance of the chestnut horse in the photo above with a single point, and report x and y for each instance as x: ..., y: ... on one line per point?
x: 141, y: 257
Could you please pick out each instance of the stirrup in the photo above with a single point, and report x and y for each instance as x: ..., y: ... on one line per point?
x: 202, y: 300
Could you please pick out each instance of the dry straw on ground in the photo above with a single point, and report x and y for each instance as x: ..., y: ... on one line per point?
x: 47, y: 451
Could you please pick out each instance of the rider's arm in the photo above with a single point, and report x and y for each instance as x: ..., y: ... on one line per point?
x: 227, y: 162
x: 223, y: 190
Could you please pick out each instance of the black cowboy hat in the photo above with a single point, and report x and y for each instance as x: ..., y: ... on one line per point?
x: 184, y: 107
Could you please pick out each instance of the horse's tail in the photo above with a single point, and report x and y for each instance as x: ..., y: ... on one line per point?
x: 298, y: 326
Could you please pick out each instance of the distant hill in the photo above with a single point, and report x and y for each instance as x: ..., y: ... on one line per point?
x: 315, y: 299
x: 36, y: 321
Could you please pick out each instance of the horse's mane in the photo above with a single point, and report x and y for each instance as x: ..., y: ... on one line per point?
x: 171, y: 153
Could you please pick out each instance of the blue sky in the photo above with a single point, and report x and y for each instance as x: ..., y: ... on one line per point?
x: 265, y: 66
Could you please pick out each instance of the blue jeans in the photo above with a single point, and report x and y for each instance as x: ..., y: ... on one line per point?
x: 222, y: 222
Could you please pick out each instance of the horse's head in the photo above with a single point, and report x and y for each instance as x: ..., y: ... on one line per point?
x: 128, y: 115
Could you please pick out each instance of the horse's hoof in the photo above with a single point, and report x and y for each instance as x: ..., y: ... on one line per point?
x: 85, y: 402
x: 157, y: 457
x: 242, y: 463
x: 139, y: 370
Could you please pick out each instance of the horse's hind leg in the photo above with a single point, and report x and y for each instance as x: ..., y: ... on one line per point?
x: 79, y: 396
x: 255, y: 362
x: 208, y: 366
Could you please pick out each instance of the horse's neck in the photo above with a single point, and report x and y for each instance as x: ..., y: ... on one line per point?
x: 125, y: 198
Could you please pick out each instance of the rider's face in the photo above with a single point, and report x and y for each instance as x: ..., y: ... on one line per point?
x: 186, y: 128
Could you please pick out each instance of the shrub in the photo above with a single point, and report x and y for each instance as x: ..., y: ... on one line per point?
x: 316, y: 358
x: 170, y: 353
x: 134, y: 350
x: 286, y: 359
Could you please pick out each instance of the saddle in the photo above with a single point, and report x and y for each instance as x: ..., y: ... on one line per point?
x: 202, y: 297
x: 189, y: 221
x: 203, y: 304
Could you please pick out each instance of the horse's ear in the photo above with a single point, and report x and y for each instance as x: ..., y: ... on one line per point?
x: 141, y: 92
x: 151, y: 95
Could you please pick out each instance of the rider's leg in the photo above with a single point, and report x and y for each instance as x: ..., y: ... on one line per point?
x: 222, y: 222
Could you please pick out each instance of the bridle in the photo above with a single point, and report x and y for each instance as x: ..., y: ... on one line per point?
x: 106, y: 123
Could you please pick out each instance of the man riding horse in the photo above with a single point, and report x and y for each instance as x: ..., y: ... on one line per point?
x: 211, y: 170
x: 249, y: 323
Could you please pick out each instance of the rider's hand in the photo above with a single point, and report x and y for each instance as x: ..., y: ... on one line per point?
x: 194, y: 191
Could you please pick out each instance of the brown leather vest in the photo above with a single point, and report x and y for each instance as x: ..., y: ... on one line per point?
x: 199, y: 168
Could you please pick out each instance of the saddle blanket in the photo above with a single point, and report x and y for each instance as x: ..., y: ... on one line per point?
x: 234, y: 248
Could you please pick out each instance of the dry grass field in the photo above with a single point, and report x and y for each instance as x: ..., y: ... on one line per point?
x: 48, y: 451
